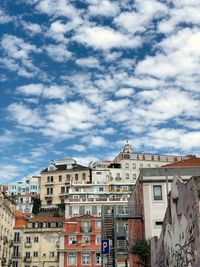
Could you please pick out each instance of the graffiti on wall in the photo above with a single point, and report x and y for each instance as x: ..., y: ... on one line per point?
x: 179, y: 244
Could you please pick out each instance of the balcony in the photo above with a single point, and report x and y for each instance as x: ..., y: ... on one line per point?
x: 16, y: 255
x: 3, y: 261
x: 27, y: 259
x: 86, y: 229
x: 27, y: 245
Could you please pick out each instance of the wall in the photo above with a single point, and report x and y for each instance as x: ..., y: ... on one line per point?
x: 179, y: 242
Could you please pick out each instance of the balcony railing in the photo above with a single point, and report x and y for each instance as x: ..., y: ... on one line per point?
x: 96, y: 199
x: 28, y: 245
x: 26, y: 259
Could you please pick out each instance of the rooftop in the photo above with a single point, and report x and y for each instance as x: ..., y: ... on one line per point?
x: 191, y: 162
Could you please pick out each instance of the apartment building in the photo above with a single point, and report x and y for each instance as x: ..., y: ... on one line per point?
x: 24, y: 202
x: 7, y: 221
x: 81, y: 242
x: 18, y: 232
x: 28, y: 185
x: 40, y: 242
x: 57, y: 179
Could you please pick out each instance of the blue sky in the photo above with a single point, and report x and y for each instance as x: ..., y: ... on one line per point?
x: 78, y: 78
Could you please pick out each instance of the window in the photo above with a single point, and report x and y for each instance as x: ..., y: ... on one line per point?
x: 62, y: 189
x: 76, y: 177
x: 36, y: 239
x: 72, y: 240
x: 35, y: 254
x: 100, y: 189
x: 86, y: 239
x: 134, y: 165
x: 98, y: 173
x: 127, y: 165
x: 134, y: 176
x: 14, y: 263
x: 16, y: 251
x: 49, y: 190
x: 84, y: 176
x: 141, y: 166
x: 157, y: 192
x: 158, y: 223
x: 60, y: 178
x: 68, y: 177
x: 98, y: 239
x: 16, y: 237
x: 98, y: 224
x: 98, y: 258
x: 85, y: 258
x: 127, y: 175
x: 28, y: 255
x: 28, y: 239
x: 51, y: 254
x: 71, y: 258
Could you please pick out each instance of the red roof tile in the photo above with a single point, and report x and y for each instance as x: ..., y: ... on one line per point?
x: 191, y: 162
x: 47, y: 219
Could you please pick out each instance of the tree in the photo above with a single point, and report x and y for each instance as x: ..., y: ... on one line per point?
x: 36, y: 205
x: 141, y: 248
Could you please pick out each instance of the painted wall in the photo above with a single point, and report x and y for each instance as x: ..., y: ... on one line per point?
x: 179, y: 242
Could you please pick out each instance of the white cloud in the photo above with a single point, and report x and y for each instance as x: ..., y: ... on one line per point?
x: 8, y: 172
x: 105, y: 38
x: 7, y: 138
x: 4, y: 18
x: 25, y: 116
x: 59, y: 52
x: 68, y: 117
x: 31, y: 28
x: 124, y: 92
x: 79, y: 148
x: 140, y: 20
x: 104, y: 8
x: 95, y: 141
x: 17, y: 56
x: 42, y: 90
x: 89, y: 62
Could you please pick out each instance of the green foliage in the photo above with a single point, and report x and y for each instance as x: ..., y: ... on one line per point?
x: 36, y: 205
x: 142, y: 249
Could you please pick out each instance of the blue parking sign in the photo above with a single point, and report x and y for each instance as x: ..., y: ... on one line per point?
x: 105, y: 246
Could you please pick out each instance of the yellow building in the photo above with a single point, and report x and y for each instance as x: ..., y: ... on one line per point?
x: 40, y: 242
x: 57, y: 179
x: 7, y: 221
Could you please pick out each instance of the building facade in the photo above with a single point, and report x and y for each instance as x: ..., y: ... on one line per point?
x: 24, y: 202
x: 29, y: 185
x: 7, y: 221
x: 57, y: 179
x: 81, y: 242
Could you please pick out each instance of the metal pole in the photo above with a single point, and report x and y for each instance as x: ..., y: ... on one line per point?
x: 167, y: 187
x: 114, y: 237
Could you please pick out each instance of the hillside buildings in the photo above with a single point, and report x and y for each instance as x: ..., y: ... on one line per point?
x: 29, y: 185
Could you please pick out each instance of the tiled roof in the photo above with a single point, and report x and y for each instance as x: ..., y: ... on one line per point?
x: 78, y: 218
x: 191, y: 162
x: 47, y: 219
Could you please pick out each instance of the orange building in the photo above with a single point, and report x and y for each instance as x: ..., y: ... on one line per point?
x: 81, y: 242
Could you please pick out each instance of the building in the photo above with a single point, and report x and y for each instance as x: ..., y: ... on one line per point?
x: 149, y: 197
x: 40, y: 242
x: 179, y: 242
x: 57, y: 179
x: 3, y: 188
x: 6, y: 229
x: 18, y: 232
x: 81, y: 242
x: 29, y: 185
x: 24, y: 202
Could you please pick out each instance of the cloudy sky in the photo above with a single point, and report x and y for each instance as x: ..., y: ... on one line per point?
x: 78, y: 78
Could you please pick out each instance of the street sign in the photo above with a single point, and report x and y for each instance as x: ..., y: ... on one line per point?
x: 105, y: 246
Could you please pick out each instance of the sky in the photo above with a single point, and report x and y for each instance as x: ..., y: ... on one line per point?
x: 79, y: 78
